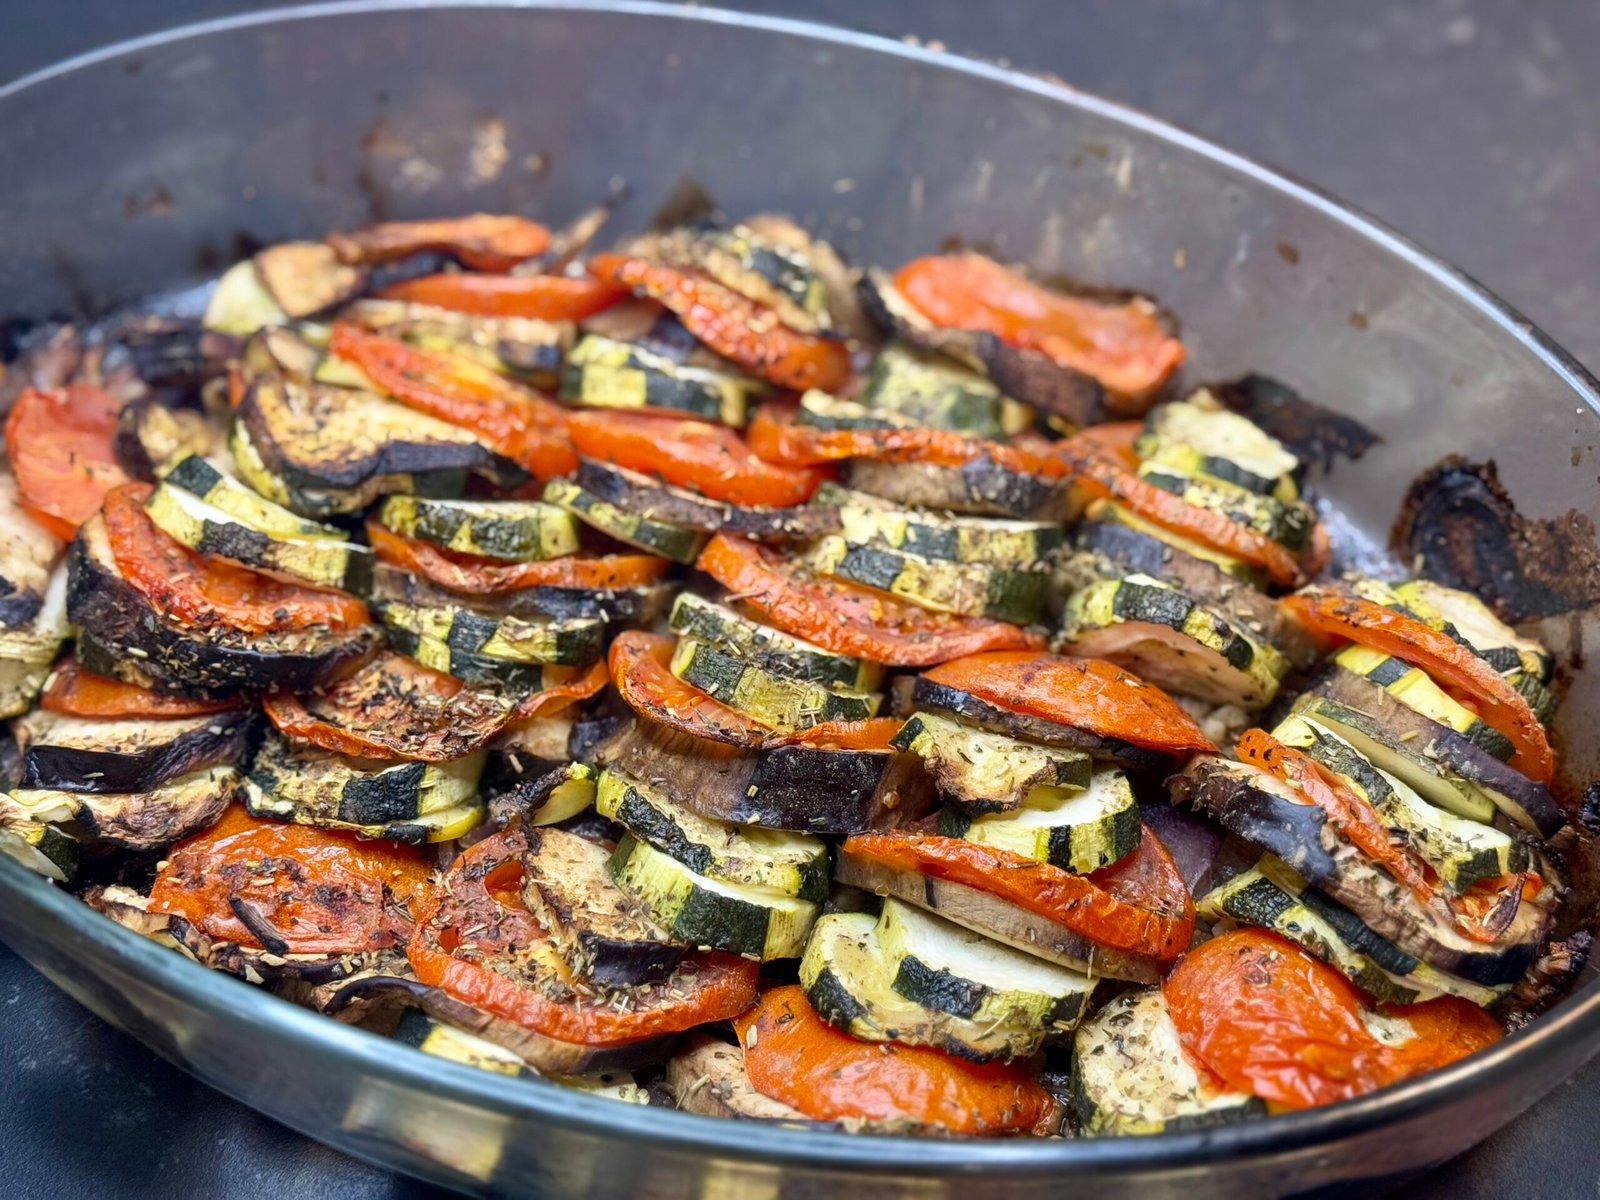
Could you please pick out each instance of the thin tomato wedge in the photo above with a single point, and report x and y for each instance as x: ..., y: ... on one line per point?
x: 1269, y: 1019
x: 318, y: 891
x: 538, y: 297
x: 1139, y: 905
x: 735, y: 326
x: 1340, y: 614
x: 1086, y: 693
x: 794, y: 1056
x: 482, y: 241
x: 639, y: 668
x: 778, y: 438
x: 712, y: 459
x: 392, y: 708
x: 205, y: 592
x: 60, y: 446
x: 481, y: 946
x: 1125, y: 346
x: 75, y: 692
x: 848, y: 619
x: 485, y: 576
x: 511, y: 420
x: 575, y: 684
x: 1106, y: 475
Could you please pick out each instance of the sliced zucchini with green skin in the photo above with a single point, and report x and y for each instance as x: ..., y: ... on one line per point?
x: 768, y: 271
x: 1130, y: 1075
x: 37, y: 845
x: 1077, y: 831
x: 868, y: 520
x: 421, y: 1032
x: 408, y: 801
x: 789, y: 864
x: 941, y: 394
x: 465, y: 664
x: 1200, y: 436
x: 768, y: 648
x: 777, y: 701
x: 971, y: 589
x: 1287, y: 523
x: 1415, y: 688
x: 850, y: 981
x: 602, y: 373
x: 1106, y: 511
x: 1160, y: 634
x: 823, y: 410
x: 758, y: 924
x: 201, y: 479
x: 1462, y: 851
x: 509, y: 530
x: 676, y: 542
x: 240, y: 304
x: 1273, y: 897
x: 1476, y: 623
x: 532, y: 796
x: 196, y: 524
x: 505, y: 343
x: 990, y: 772
x: 574, y: 642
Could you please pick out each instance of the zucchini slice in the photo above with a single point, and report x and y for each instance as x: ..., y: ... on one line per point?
x: 768, y: 271
x: 407, y: 802
x: 240, y: 304
x: 1462, y: 851
x: 1160, y: 634
x: 520, y: 344
x: 646, y: 496
x: 1078, y: 831
x: 756, y: 923
x: 941, y: 394
x: 770, y: 649
x: 79, y: 754
x: 990, y: 772
x: 1475, y: 622
x: 202, y: 480
x: 37, y: 845
x: 1200, y: 436
x: 643, y: 605
x: 788, y: 864
x: 1107, y: 513
x: 868, y: 520
x: 1273, y: 897
x: 600, y: 931
x: 823, y: 410
x: 574, y: 642
x: 509, y: 530
x: 676, y: 542
x: 421, y: 1032
x: 777, y: 701
x: 136, y: 821
x: 980, y: 487
x: 1415, y: 688
x: 602, y: 373
x: 1289, y: 523
x: 189, y: 520
x: 1131, y: 1076
x: 467, y: 665
x: 550, y: 797
x: 971, y: 589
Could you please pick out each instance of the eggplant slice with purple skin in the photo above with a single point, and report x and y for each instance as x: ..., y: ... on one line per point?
x: 77, y: 754
x: 980, y: 487
x: 137, y: 821
x: 623, y: 607
x: 643, y: 496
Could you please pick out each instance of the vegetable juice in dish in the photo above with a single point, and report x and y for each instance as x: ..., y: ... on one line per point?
x: 632, y: 667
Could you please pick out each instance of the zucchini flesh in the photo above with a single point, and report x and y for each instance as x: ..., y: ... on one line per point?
x: 1475, y: 622
x: 990, y: 772
x: 777, y: 701
x: 509, y: 530
x: 421, y: 1032
x: 676, y: 542
x: 1287, y: 523
x: 467, y: 665
x: 198, y: 477
x: 869, y: 520
x: 1415, y: 688
x: 37, y: 845
x: 1077, y: 831
x: 240, y: 304
x: 822, y: 410
x: 772, y: 860
x: 1200, y: 436
x: 701, y: 911
x: 970, y: 589
x: 602, y: 373
x: 768, y: 648
x: 1131, y: 1076
x: 941, y: 394
x: 575, y: 641
x: 1105, y: 510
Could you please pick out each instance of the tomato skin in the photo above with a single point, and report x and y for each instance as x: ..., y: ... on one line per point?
x: 712, y: 459
x: 1269, y: 1019
x: 733, y: 325
x: 325, y: 892
x: 60, y: 443
x: 208, y: 593
x: 848, y: 619
x: 792, y: 1055
x: 482, y: 241
x: 539, y: 297
x: 1124, y: 346
x: 76, y: 692
x: 486, y: 576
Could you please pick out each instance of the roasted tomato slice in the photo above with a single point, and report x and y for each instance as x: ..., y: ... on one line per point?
x: 76, y: 692
x: 538, y: 297
x: 60, y: 446
x: 483, y: 576
x: 482, y: 241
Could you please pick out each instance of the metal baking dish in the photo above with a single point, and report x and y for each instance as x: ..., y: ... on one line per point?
x: 141, y: 169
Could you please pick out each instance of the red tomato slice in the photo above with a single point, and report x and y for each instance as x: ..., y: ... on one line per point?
x: 80, y: 693
x: 485, y: 576
x: 483, y: 241
x: 538, y: 297
x: 60, y: 446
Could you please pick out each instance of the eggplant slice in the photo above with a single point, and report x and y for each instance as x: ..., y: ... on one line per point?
x: 707, y: 1077
x: 141, y: 821
x: 980, y: 487
x: 622, y: 607
x: 76, y: 754
x: 644, y: 496
x: 28, y: 554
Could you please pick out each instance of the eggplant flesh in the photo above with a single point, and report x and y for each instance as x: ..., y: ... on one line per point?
x: 622, y: 607
x: 138, y: 821
x: 708, y: 1077
x: 74, y: 754
x: 643, y: 496
x: 150, y: 434
x: 980, y: 487
x: 28, y: 555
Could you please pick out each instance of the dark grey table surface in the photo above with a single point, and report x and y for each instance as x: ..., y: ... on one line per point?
x: 1473, y: 126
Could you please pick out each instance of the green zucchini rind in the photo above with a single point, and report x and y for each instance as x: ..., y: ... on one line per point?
x: 1289, y: 523
x: 37, y: 845
x: 646, y: 496
x: 869, y: 520
x: 1079, y: 831
x: 467, y: 665
x: 769, y: 271
x: 643, y: 605
x: 768, y: 648
x: 421, y: 1032
x: 1107, y: 513
x: 989, y: 772
x: 1201, y: 437
x: 509, y: 530
x: 520, y: 344
x: 602, y: 373
x: 939, y: 393
x: 971, y: 589
x: 1161, y: 634
x: 1476, y: 622
x: 1415, y: 688
x: 676, y: 542
x: 777, y: 701
x: 700, y: 911
x: 790, y: 864
x: 1130, y: 1075
x: 574, y: 642
x: 201, y: 479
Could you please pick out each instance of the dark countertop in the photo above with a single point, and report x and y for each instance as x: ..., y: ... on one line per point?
x: 1471, y: 125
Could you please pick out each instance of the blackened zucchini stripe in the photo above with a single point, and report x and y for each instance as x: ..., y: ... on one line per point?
x: 770, y: 649
x: 869, y: 520
x: 676, y: 542
x: 970, y: 589
x: 777, y: 701
x: 576, y: 641
x: 510, y: 530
